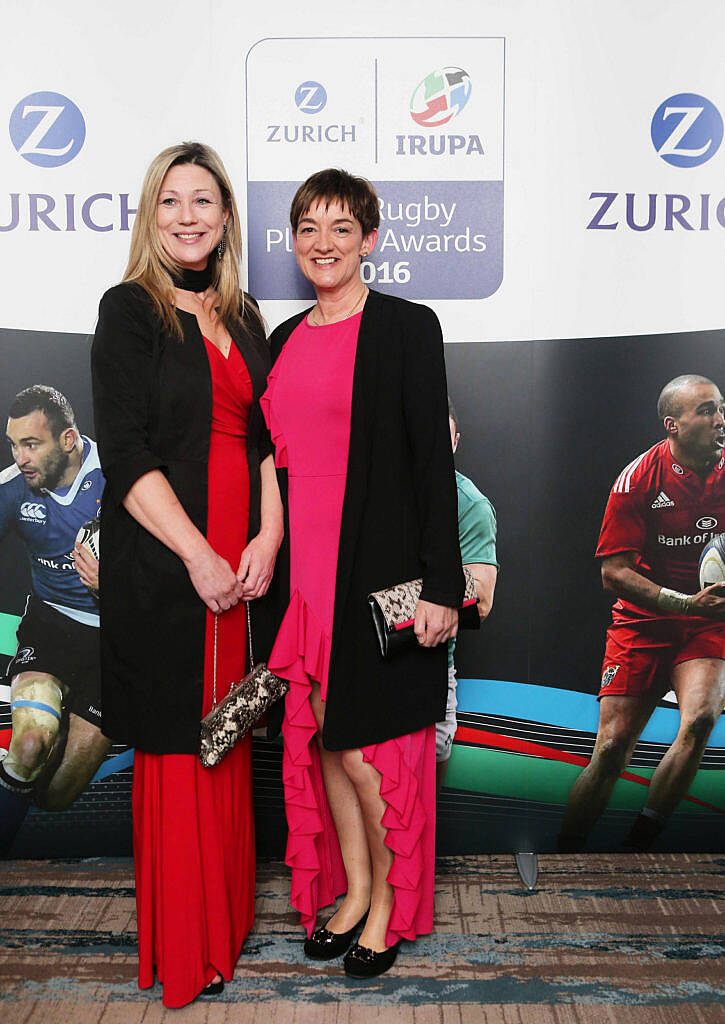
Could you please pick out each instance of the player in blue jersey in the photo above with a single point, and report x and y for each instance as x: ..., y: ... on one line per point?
x: 53, y: 487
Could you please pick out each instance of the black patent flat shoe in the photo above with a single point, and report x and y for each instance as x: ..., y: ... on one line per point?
x: 362, y: 962
x: 325, y: 945
x: 214, y: 988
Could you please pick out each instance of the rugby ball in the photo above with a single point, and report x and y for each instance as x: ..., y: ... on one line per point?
x: 712, y: 561
x: 89, y: 537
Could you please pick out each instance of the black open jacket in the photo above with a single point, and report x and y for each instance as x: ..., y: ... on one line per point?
x: 152, y: 397
x: 399, y: 522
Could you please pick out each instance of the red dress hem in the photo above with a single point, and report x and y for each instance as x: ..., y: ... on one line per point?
x: 193, y: 826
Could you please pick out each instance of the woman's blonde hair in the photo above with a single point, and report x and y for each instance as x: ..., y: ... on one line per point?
x: 151, y: 266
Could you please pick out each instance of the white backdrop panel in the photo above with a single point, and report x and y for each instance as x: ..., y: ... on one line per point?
x: 582, y: 83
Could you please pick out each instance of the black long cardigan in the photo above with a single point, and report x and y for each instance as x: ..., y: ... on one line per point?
x: 152, y: 398
x: 399, y: 522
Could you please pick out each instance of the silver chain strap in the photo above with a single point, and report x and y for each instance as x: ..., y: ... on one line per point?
x: 251, y: 654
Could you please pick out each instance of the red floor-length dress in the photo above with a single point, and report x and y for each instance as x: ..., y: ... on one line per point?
x: 307, y: 406
x: 193, y: 826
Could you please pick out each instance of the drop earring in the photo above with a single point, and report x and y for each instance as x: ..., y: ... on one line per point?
x: 221, y: 248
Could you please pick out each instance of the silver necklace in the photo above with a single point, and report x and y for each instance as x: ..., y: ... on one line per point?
x: 321, y: 323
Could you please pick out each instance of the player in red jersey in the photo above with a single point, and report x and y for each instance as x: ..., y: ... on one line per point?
x: 666, y: 632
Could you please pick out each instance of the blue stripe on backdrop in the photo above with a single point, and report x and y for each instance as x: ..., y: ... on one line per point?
x: 546, y: 704
x: 113, y: 765
x: 566, y: 708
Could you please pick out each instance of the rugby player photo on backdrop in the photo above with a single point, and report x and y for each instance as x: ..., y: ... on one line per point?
x: 477, y: 540
x: 667, y: 630
x: 52, y: 489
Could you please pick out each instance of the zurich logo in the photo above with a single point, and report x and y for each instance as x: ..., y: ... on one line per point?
x: 310, y: 97
x: 440, y: 97
x: 47, y: 129
x: 686, y: 130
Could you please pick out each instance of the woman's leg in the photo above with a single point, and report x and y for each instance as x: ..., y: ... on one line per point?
x: 366, y: 782
x: 350, y: 826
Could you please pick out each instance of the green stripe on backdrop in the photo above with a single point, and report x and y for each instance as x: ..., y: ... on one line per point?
x: 499, y: 773
x: 8, y: 626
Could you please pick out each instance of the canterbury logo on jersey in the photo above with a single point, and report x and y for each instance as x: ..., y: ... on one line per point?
x: 32, y: 512
x: 662, y: 501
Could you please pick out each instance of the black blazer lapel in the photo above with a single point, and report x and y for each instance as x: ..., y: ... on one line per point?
x: 364, y: 390
x: 280, y: 334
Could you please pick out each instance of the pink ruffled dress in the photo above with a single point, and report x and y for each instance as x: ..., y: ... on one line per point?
x: 307, y: 406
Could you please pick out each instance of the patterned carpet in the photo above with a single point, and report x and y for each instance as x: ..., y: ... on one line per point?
x: 602, y: 940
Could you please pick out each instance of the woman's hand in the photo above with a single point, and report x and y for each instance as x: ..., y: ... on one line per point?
x: 434, y: 623
x: 257, y: 565
x: 86, y: 567
x: 213, y: 579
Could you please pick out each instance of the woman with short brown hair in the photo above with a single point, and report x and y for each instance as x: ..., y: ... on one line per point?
x: 357, y: 408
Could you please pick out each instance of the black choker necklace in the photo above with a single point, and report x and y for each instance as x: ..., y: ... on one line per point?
x: 194, y: 280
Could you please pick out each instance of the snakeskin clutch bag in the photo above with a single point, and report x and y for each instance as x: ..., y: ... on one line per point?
x: 246, y: 702
x: 393, y: 611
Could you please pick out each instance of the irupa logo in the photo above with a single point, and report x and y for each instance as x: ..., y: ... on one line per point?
x: 438, y: 145
x: 437, y: 100
x: 440, y: 97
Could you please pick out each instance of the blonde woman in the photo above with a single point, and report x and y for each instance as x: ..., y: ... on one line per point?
x: 191, y: 525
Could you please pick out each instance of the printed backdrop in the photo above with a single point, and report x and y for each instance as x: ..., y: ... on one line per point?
x: 550, y: 176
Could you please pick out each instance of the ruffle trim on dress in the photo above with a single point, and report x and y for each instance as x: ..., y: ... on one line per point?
x: 273, y: 424
x: 400, y: 764
x: 302, y: 649
x: 302, y: 652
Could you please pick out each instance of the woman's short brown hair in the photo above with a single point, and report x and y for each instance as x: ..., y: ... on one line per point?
x: 335, y: 185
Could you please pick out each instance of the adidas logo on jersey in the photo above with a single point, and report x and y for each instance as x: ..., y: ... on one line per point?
x: 662, y: 501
